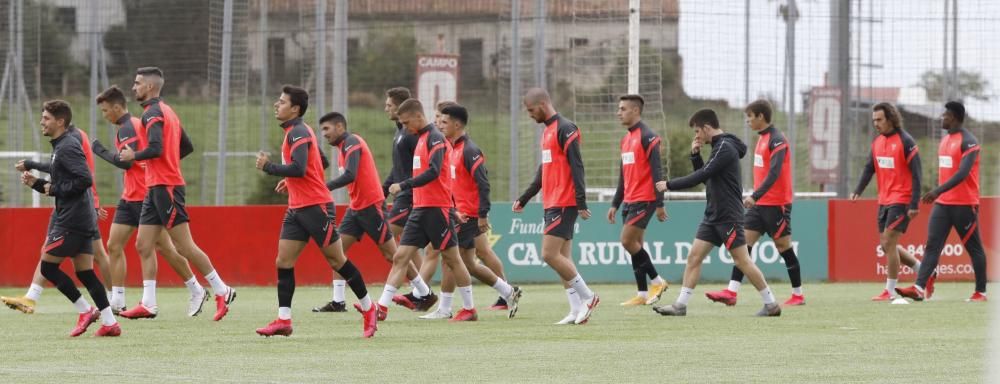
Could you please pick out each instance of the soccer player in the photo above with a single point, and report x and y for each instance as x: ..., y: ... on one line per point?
x: 432, y: 218
x: 27, y: 302
x: 404, y: 143
x: 114, y: 109
x: 769, y: 208
x: 310, y: 213
x: 895, y: 162
x: 956, y: 204
x: 560, y: 178
x: 73, y: 222
x: 163, y: 206
x: 470, y: 187
x: 723, y: 221
x: 639, y: 169
x: 365, y: 214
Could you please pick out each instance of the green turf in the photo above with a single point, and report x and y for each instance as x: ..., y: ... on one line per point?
x: 839, y: 336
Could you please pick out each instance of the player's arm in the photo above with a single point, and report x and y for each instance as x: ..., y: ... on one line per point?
x: 912, y: 155
x: 569, y: 140
x: 616, y: 202
x: 323, y: 159
x: 433, y: 168
x: 154, y: 139
x: 300, y: 158
x: 475, y: 163
x: 533, y: 188
x: 109, y: 156
x: 78, y: 178
x: 42, y: 166
x: 187, y: 146
x: 720, y: 159
x: 964, y: 169
x: 866, y: 175
x: 653, y: 157
x: 777, y: 161
x: 352, y: 158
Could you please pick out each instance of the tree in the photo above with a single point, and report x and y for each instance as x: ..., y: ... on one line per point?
x: 387, y: 59
x: 970, y: 85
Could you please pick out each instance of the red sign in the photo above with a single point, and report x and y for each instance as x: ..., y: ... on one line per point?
x: 855, y: 254
x: 824, y: 134
x: 437, y: 80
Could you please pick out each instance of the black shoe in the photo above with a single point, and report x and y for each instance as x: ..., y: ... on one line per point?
x: 425, y: 303
x: 333, y: 306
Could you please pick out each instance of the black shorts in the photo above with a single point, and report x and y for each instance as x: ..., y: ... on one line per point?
x: 468, y: 232
x: 775, y: 220
x: 637, y: 214
x: 894, y: 217
x: 128, y: 213
x: 722, y: 235
x: 64, y: 243
x: 430, y: 225
x: 315, y: 221
x: 370, y: 220
x: 401, y: 208
x: 560, y: 221
x: 164, y: 205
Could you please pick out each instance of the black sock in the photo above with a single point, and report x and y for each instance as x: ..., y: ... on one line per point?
x: 792, y: 264
x: 353, y: 276
x: 286, y: 286
x: 52, y: 273
x: 737, y: 273
x: 649, y: 267
x: 640, y: 264
x: 94, y: 286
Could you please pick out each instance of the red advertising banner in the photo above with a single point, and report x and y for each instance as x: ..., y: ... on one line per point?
x: 241, y: 241
x: 855, y: 254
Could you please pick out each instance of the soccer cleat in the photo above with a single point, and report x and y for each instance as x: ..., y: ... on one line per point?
x: 884, y: 296
x: 724, y: 296
x: 655, y: 290
x: 425, y: 303
x: 977, y: 297
x: 118, y: 310
x: 84, y: 321
x: 278, y: 327
x: 222, y: 304
x: 112, y: 330
x: 674, y: 309
x: 333, y: 306
x: 437, y: 315
x: 369, y: 320
x: 406, y: 300
x: 515, y: 298
x: 196, y: 302
x: 591, y: 305
x: 500, y: 305
x: 568, y: 320
x: 140, y: 312
x: 381, y: 311
x: 929, y: 289
x: 770, y: 310
x: 635, y: 301
x: 795, y: 300
x: 22, y: 303
x: 911, y: 292
x: 465, y: 315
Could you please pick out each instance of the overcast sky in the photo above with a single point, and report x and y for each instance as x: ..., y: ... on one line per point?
x: 906, y: 40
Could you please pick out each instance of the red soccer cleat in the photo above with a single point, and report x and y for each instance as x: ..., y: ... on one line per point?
x: 139, y: 312
x: 977, y: 297
x: 911, y: 292
x: 84, y: 321
x: 405, y: 301
x: 381, y: 311
x: 795, y: 300
x: 465, y: 315
x: 222, y: 304
x: 929, y: 289
x: 884, y: 296
x: 370, y: 320
x: 112, y: 330
x: 277, y: 327
x: 724, y: 296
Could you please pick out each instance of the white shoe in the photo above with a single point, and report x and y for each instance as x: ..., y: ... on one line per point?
x: 568, y: 320
x: 196, y: 301
x: 585, y: 312
x: 437, y: 315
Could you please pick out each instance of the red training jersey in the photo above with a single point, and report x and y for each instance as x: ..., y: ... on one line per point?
x: 953, y: 149
x: 366, y: 189
x: 432, y: 147
x: 164, y: 169
x: 770, y: 144
x: 891, y: 156
x: 310, y: 188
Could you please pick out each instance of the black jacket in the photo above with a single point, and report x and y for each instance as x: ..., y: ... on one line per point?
x: 721, y: 175
x: 71, y: 180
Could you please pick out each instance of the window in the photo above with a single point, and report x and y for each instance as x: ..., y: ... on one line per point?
x: 65, y: 17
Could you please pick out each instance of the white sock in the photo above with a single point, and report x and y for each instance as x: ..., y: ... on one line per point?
x: 34, y: 292
x: 284, y: 313
x: 504, y: 289
x: 767, y: 295
x: 107, y: 317
x: 218, y: 286
x: 581, y: 288
x: 420, y: 288
x: 658, y: 280
x: 117, y: 297
x: 81, y: 305
x: 890, y: 285
x: 797, y: 290
x: 444, y: 306
x: 734, y: 285
x: 387, y: 293
x: 338, y: 290
x: 574, y: 301
x: 466, y: 293
x: 366, y: 303
x: 642, y: 294
x: 109, y: 294
x: 149, y: 293
x: 193, y: 286
x: 685, y: 295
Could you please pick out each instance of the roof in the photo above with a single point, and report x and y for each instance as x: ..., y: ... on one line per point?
x: 438, y: 8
